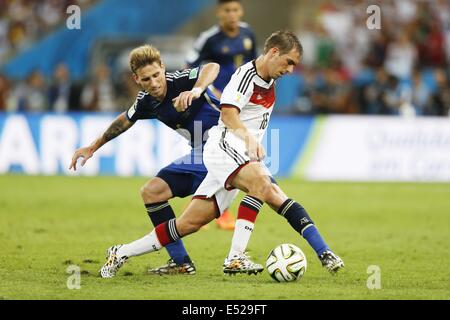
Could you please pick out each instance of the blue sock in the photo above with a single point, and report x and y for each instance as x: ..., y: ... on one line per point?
x: 312, y: 235
x: 161, y: 212
x: 299, y: 219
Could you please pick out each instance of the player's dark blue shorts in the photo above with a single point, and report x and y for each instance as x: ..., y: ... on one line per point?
x: 184, y: 175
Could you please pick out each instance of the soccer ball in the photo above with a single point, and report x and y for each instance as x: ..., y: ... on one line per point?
x: 286, y: 263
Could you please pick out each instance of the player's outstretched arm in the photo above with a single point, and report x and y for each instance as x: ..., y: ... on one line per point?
x: 208, y: 73
x: 118, y: 126
x: 230, y: 117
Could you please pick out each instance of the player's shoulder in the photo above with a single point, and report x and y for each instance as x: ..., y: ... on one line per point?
x: 245, y: 26
x: 246, y: 69
x: 244, y: 77
x: 142, y: 98
x: 177, y: 74
x: 208, y: 34
x: 141, y: 103
x: 142, y: 95
x: 182, y: 75
x: 245, y: 30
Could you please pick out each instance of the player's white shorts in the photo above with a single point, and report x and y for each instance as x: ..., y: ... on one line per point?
x: 224, y: 155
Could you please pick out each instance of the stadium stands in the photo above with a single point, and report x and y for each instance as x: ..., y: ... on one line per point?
x: 401, y: 69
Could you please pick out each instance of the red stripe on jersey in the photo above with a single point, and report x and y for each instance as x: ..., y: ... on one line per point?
x: 262, y: 96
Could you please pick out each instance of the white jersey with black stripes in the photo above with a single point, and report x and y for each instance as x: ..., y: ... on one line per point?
x: 252, y: 96
x: 226, y: 153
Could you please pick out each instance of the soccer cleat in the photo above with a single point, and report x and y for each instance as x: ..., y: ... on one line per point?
x: 171, y: 268
x: 331, y: 261
x: 226, y: 220
x: 241, y: 264
x: 113, y: 263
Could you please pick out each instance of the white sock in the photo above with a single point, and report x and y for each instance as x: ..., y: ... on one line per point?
x: 242, y: 231
x: 144, y: 245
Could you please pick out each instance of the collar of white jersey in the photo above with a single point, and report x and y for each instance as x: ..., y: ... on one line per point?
x: 268, y: 84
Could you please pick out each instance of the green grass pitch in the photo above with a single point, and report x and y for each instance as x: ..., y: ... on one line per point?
x: 50, y: 223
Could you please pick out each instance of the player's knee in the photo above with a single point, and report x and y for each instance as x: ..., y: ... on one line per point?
x: 262, y: 188
x: 152, y: 192
x: 271, y: 195
x: 146, y: 193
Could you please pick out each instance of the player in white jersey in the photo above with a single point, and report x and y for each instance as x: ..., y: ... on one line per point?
x: 232, y: 155
x: 251, y: 100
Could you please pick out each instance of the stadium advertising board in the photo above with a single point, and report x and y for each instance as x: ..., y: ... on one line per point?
x: 44, y: 144
x: 358, y: 148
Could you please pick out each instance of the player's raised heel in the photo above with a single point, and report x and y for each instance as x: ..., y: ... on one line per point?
x: 331, y: 261
x: 171, y: 268
x: 113, y: 262
x: 241, y: 264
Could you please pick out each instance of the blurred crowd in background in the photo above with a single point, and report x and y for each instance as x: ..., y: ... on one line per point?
x: 401, y: 69
x: 23, y: 22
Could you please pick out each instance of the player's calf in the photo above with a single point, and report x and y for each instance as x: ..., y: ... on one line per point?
x: 300, y: 220
x: 155, y: 194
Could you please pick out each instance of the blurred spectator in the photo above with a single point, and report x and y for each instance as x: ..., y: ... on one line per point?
x: 22, y: 22
x: 4, y: 41
x: 433, y: 47
x: 406, y: 11
x: 356, y: 43
x: 394, y: 98
x: 419, y: 94
x: 325, y: 49
x: 50, y: 12
x: 308, y: 38
x: 304, y: 104
x: 98, y: 94
x: 37, y: 93
x: 333, y: 95
x: 32, y: 94
x: 17, y: 35
x: 372, y: 94
x: 377, y: 51
x: 441, y: 98
x: 401, y: 56
x: 4, y: 92
x: 126, y: 90
x: 63, y: 94
x: 336, y: 22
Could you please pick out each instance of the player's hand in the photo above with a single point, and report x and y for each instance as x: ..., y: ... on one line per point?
x: 85, y: 153
x: 184, y: 100
x: 255, y: 150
